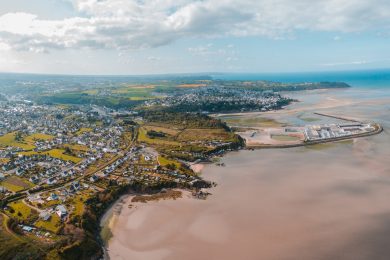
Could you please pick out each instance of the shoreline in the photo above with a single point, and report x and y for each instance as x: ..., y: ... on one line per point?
x: 110, y: 218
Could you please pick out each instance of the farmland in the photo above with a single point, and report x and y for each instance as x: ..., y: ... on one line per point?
x: 16, y: 184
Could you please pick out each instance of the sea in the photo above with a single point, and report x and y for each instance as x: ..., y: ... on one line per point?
x: 378, y: 78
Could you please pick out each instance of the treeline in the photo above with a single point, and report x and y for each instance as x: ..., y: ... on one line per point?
x: 185, y: 120
x: 153, y: 134
x: 227, y: 106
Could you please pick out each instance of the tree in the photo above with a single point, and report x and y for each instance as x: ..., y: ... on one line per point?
x: 171, y: 166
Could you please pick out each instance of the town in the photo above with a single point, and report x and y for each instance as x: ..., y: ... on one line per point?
x: 216, y: 98
x: 56, y: 159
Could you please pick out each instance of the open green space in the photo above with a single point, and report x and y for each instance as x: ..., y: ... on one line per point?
x: 15, y: 184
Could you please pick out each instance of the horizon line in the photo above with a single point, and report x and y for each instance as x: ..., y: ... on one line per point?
x: 192, y: 73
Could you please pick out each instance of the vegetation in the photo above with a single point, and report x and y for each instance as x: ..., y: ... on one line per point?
x: 10, y: 139
x: 21, y: 211
x: 12, y: 246
x: 60, y: 154
x: 16, y: 184
x: 53, y: 224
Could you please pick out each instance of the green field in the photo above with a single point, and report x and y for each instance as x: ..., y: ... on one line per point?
x: 53, y: 224
x: 22, y: 211
x: 143, y: 137
x: 205, y: 135
x: 165, y: 161
x: 35, y: 137
x: 59, y: 153
x: 9, y: 140
x: 16, y: 184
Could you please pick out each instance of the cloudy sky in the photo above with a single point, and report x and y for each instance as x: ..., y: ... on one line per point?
x: 181, y: 36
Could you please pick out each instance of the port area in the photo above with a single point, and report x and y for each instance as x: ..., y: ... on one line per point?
x: 293, y: 136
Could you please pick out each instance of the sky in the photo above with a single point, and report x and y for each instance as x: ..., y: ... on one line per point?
x: 133, y: 37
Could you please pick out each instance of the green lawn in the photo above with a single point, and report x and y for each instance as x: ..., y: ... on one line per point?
x: 59, y: 153
x: 16, y: 184
x: 53, y: 224
x: 9, y: 140
x: 19, y: 207
x: 143, y: 137
x: 165, y: 161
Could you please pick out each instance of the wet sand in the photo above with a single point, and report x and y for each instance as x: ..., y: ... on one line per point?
x: 328, y: 201
x: 197, y: 167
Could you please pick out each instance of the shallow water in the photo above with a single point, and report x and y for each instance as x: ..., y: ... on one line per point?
x: 326, y: 201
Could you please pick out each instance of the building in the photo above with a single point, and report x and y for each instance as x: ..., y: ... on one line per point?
x: 61, y: 211
x: 45, y: 216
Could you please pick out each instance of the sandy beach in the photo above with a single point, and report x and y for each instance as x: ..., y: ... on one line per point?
x: 197, y: 167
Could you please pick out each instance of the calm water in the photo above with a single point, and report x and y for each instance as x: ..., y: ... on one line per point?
x: 366, y: 78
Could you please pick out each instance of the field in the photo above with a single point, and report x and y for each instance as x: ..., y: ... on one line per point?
x: 26, y: 144
x: 16, y: 184
x: 59, y: 153
x: 250, y: 121
x: 143, y: 137
x: 9, y: 140
x: 77, y: 147
x: 22, y: 211
x: 164, y: 129
x: 35, y: 137
x: 53, y: 224
x: 4, y: 160
x: 205, y: 135
x: 163, y: 161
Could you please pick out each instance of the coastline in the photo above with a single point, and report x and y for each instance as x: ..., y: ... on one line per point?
x: 110, y: 220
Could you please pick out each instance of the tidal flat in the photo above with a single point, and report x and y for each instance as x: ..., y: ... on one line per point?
x: 328, y: 201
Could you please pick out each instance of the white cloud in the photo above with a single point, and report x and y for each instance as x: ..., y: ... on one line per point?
x: 134, y: 24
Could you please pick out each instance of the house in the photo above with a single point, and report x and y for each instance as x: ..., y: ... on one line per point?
x: 19, y: 172
x: 34, y: 179
x: 93, y: 178
x: 51, y: 181
x: 45, y: 216
x: 27, y: 228
x: 61, y: 211
x: 75, y: 186
x: 53, y: 196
